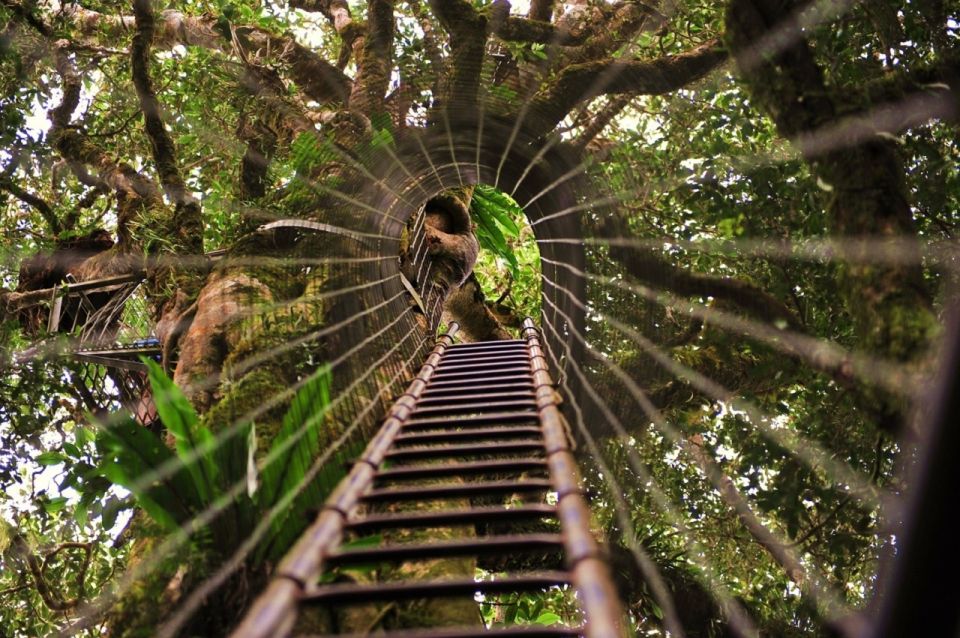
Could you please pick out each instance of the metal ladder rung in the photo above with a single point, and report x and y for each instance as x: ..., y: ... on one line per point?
x: 488, y: 418
x: 529, y: 631
x: 481, y: 546
x: 524, y: 385
x: 349, y: 593
x: 452, y: 398
x: 467, y: 376
x: 452, y: 517
x: 456, y: 490
x: 519, y: 379
x: 442, y: 436
x: 457, y: 347
x: 415, y: 472
x: 467, y: 359
x: 452, y: 408
x: 465, y: 450
x: 456, y: 366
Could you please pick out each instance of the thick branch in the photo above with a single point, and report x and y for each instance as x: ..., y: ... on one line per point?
x: 467, y: 29
x: 891, y: 305
x: 525, y: 30
x: 600, y: 121
x: 541, y: 10
x: 661, y: 275
x: 728, y: 491
x: 466, y: 305
x: 602, y: 37
x: 940, y: 79
x: 374, y: 59
x: 37, y: 569
x: 46, y: 211
x: 133, y: 190
x: 581, y: 82
x: 164, y: 150
x: 27, y: 16
x: 320, y: 80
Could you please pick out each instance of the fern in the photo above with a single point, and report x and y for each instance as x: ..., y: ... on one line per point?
x: 494, y: 213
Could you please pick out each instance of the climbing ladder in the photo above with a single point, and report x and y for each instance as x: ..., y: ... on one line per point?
x: 479, y: 423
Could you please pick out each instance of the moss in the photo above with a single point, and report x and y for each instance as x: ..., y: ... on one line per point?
x: 141, y: 609
x: 246, y: 394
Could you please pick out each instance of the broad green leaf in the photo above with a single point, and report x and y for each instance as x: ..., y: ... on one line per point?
x: 299, y: 440
x: 55, y: 504
x: 130, y: 451
x: 189, y: 436
x: 50, y: 458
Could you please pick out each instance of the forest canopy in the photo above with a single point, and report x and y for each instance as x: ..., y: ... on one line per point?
x: 233, y: 228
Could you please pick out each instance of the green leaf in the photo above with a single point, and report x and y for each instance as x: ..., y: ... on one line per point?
x: 189, y: 436
x: 495, y: 215
x: 299, y: 440
x: 82, y: 436
x: 81, y: 514
x: 55, y: 504
x: 50, y: 458
x: 130, y: 450
x: 111, y: 509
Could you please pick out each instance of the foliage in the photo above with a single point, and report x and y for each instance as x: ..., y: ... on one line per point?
x: 494, y: 213
x: 509, y: 263
x: 207, y: 473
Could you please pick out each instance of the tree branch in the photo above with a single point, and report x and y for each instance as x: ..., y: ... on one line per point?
x: 133, y: 189
x: 541, y: 10
x: 164, y: 149
x: 728, y: 491
x: 374, y: 57
x: 517, y: 29
x: 37, y: 569
x: 38, y: 203
x: 600, y: 121
x: 601, y: 38
x: 27, y: 16
x: 891, y: 305
x: 467, y: 29
x: 940, y: 78
x: 467, y: 306
x: 581, y: 82
x: 655, y: 272
x: 320, y: 80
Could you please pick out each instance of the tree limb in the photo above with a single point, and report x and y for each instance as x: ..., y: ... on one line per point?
x: 133, y: 189
x: 466, y: 305
x: 319, y: 80
x: 374, y: 58
x: 600, y: 121
x: 728, y: 491
x: 186, y: 224
x: 658, y: 274
x: 581, y: 82
x: 38, y: 203
x: 37, y: 569
x: 601, y: 38
x: 541, y: 10
x: 431, y: 47
x: 517, y: 29
x: 891, y: 305
x: 467, y: 29
x: 25, y: 14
